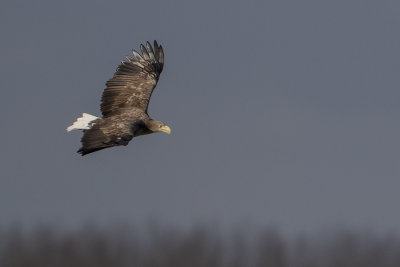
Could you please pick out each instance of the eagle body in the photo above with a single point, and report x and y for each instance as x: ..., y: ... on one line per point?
x: 124, y: 103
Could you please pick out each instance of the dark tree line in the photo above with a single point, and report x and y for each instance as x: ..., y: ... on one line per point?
x: 205, y: 247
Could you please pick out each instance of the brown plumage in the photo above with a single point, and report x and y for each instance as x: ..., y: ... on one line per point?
x: 124, y: 103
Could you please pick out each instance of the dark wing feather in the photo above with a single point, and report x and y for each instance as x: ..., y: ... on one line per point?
x: 108, y: 132
x: 134, y: 81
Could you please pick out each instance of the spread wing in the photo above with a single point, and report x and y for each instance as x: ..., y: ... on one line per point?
x: 134, y: 80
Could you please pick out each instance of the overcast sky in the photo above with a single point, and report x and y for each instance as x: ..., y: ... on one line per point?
x: 282, y: 112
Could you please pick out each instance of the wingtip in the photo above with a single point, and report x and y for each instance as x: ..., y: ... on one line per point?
x: 150, y: 52
x: 80, y: 151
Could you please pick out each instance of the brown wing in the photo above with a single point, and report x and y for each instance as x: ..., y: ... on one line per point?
x: 134, y: 81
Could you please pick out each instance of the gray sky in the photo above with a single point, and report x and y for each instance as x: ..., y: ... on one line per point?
x: 282, y: 112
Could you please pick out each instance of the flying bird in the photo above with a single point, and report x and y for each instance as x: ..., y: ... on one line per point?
x: 124, y: 103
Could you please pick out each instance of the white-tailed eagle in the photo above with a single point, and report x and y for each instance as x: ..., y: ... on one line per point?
x: 124, y: 103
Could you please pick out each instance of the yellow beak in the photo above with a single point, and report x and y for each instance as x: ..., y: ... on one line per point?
x: 165, y: 129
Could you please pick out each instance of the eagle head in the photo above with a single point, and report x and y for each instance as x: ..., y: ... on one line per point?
x: 158, y: 126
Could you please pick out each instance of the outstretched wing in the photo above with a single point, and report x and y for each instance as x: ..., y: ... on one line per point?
x: 134, y: 80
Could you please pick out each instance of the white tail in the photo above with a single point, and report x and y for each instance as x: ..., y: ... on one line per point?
x: 82, y: 123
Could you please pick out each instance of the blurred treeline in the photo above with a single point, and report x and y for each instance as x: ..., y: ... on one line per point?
x: 200, y: 246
